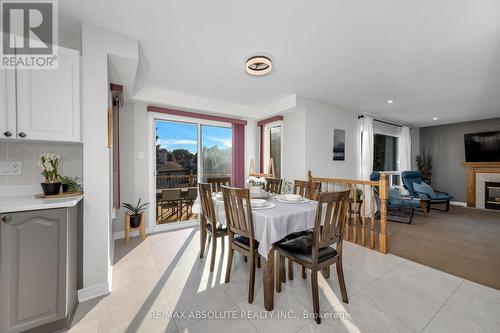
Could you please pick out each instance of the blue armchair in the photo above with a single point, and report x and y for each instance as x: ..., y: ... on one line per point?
x: 424, y: 191
x: 395, y: 203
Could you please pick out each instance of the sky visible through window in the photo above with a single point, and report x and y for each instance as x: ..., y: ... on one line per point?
x: 175, y: 135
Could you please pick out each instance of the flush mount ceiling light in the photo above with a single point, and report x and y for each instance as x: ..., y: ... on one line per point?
x: 435, y: 118
x: 258, y: 65
x: 390, y: 101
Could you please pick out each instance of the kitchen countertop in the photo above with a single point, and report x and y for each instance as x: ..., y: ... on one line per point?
x: 10, y: 204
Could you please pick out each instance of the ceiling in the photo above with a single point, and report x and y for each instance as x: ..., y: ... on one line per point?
x: 434, y: 58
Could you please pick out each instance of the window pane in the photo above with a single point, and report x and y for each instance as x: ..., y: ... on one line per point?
x: 385, y: 153
x: 275, y: 148
x: 216, y: 151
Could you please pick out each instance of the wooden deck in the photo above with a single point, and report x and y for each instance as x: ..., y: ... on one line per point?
x: 170, y: 215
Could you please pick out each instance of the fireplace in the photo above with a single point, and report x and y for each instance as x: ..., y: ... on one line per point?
x: 492, y: 195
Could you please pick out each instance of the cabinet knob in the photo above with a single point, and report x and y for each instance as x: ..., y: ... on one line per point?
x: 22, y: 135
x: 6, y: 219
x: 7, y: 134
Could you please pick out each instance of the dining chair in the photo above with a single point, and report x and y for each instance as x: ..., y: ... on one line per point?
x: 208, y: 223
x: 314, y: 251
x: 273, y: 185
x: 240, y: 231
x: 217, y: 182
x: 306, y: 189
x: 309, y: 190
x: 171, y: 199
x: 189, y: 198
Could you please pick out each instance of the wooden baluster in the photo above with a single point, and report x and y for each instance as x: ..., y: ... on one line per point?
x: 382, y: 235
x: 372, y: 226
x: 347, y: 231
x: 363, y: 225
x: 354, y: 212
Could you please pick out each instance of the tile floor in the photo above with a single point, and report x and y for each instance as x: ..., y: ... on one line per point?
x: 164, y: 275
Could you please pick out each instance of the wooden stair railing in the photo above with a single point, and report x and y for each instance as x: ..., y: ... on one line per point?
x: 357, y: 219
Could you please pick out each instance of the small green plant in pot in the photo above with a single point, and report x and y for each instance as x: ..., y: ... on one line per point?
x: 49, y: 163
x: 70, y: 184
x: 136, y: 212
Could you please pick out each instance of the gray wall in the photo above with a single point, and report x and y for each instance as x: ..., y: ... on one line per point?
x: 446, y: 146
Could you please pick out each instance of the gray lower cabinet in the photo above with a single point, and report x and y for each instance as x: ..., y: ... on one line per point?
x: 38, y: 268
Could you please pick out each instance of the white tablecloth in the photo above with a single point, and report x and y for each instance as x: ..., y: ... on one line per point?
x: 271, y: 225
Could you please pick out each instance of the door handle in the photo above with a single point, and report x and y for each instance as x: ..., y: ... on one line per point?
x: 6, y: 219
x: 22, y: 135
x: 7, y: 134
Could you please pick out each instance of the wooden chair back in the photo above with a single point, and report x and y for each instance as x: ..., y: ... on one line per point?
x: 306, y: 189
x: 207, y: 205
x: 217, y: 182
x: 330, y: 220
x: 238, y: 212
x: 192, y: 193
x: 273, y: 185
x: 171, y: 195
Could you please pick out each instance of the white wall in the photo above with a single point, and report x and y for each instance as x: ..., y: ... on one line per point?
x: 294, y: 145
x: 321, y: 119
x: 97, y: 44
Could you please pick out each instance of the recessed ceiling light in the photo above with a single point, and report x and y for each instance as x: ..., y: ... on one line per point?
x: 435, y: 118
x: 390, y: 101
x: 258, y: 65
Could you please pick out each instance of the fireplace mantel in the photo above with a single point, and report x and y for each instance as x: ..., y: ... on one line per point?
x: 472, y: 168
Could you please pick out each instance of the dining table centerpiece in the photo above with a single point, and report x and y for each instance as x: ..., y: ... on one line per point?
x: 256, y: 184
x: 49, y: 163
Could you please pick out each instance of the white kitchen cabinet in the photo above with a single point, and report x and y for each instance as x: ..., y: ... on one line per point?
x: 48, y: 101
x: 7, y: 104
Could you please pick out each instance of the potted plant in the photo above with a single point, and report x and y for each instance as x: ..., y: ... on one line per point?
x: 256, y: 184
x: 49, y: 163
x: 70, y: 184
x: 135, y: 212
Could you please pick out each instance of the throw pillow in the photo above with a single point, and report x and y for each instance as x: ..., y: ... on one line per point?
x: 424, y: 188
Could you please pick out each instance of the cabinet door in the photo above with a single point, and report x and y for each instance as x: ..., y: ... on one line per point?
x: 33, y: 269
x: 48, y: 101
x: 7, y: 104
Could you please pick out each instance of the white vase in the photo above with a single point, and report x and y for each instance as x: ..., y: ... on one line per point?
x: 255, y: 190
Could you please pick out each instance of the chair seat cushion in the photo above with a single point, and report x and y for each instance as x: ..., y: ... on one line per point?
x: 244, y: 241
x: 404, y: 203
x: 220, y: 230
x: 301, y: 248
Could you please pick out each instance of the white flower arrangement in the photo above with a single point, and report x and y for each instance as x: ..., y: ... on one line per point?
x: 49, y: 163
x: 256, y: 181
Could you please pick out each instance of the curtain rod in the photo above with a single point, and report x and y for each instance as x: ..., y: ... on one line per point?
x: 381, y: 121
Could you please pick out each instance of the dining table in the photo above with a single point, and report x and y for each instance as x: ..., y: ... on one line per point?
x: 271, y: 224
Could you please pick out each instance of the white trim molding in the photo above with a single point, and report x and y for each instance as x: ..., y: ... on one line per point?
x: 94, y: 291
x: 458, y: 203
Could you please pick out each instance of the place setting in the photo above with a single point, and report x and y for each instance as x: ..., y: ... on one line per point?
x: 292, y: 198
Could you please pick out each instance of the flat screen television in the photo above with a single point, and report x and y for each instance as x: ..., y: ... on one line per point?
x: 482, y: 147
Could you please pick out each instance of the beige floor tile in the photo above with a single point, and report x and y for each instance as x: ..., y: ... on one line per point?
x: 412, y: 310
x: 446, y: 321
x: 231, y: 321
x: 358, y: 316
x: 476, y: 302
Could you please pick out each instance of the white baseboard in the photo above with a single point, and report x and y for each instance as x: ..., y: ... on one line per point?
x: 94, y: 291
x: 458, y: 203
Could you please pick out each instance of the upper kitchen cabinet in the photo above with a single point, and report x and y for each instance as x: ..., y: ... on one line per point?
x: 48, y: 101
x: 7, y: 104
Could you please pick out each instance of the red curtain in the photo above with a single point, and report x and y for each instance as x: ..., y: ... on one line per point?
x: 238, y: 155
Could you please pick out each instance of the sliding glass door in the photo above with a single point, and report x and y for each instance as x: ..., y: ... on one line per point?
x: 216, y: 152
x: 187, y: 152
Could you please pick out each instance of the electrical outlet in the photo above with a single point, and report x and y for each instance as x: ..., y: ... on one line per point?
x: 11, y: 168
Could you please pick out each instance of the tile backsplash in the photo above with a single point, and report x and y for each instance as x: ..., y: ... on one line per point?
x: 28, y: 153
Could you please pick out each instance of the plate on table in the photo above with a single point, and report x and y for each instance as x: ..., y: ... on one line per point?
x: 258, y: 202
x: 268, y: 205
x: 291, y: 198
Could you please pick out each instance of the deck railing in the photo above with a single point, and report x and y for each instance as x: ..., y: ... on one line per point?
x: 175, y: 180
x: 362, y: 219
